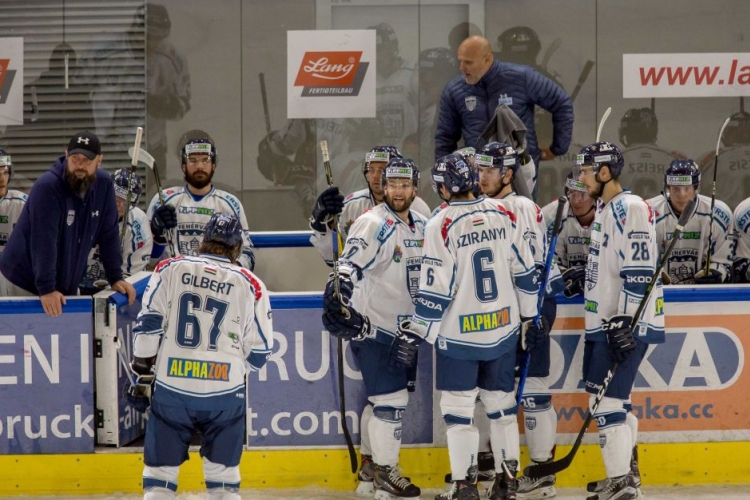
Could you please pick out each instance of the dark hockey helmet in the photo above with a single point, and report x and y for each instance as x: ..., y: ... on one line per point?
x: 386, y: 40
x: 5, y: 161
x: 498, y: 155
x: 738, y: 129
x: 452, y: 172
x: 519, y: 44
x: 438, y: 61
x: 223, y: 228
x: 573, y: 184
x: 199, y: 146
x: 638, y: 126
x: 380, y: 154
x: 600, y: 154
x: 682, y: 173
x: 401, y: 168
x: 466, y: 153
x: 121, y: 178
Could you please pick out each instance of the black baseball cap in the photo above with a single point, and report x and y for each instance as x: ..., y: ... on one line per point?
x: 85, y: 143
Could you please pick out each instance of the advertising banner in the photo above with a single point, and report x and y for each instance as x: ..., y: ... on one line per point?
x: 294, y: 400
x: 686, y: 75
x: 46, y: 378
x: 331, y: 74
x: 11, y: 81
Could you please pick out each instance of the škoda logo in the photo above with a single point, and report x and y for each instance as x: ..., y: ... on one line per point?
x: 331, y: 73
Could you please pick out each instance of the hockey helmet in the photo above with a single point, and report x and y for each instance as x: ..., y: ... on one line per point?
x: 452, y: 172
x: 121, y: 179
x: 573, y: 184
x: 466, y: 153
x: 380, y: 154
x: 738, y: 129
x: 600, y: 154
x: 223, y: 228
x: 386, y: 41
x: 401, y: 168
x: 199, y: 146
x: 638, y: 126
x: 682, y: 173
x: 5, y: 161
x: 519, y: 44
x: 499, y: 155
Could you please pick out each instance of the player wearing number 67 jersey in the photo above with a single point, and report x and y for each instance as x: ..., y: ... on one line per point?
x: 218, y: 326
x: 478, y: 280
x: 623, y: 255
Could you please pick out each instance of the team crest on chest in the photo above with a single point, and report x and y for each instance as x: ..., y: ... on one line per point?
x: 397, y: 254
x: 471, y: 102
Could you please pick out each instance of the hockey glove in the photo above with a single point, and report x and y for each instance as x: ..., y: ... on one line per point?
x: 741, y: 271
x: 344, y: 322
x: 138, y: 395
x: 405, y: 346
x: 619, y: 337
x: 533, y: 336
x: 346, y: 288
x: 329, y: 203
x: 574, y: 278
x: 164, y: 219
x: 712, y: 278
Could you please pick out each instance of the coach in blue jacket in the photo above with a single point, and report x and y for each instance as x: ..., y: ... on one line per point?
x: 70, y: 209
x: 468, y: 101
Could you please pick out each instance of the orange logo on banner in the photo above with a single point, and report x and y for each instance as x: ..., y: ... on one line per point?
x: 326, y: 69
x: 3, y: 68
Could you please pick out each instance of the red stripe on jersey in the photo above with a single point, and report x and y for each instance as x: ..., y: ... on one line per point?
x: 444, y: 231
x: 507, y: 212
x: 253, y: 283
x: 538, y: 213
x: 166, y: 262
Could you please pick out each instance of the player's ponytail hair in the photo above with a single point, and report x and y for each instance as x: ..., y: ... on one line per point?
x: 216, y: 248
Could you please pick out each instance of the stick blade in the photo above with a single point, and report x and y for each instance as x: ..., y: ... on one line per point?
x: 143, y: 157
x: 536, y: 471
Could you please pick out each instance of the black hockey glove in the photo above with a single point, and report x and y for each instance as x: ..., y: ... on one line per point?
x: 346, y: 288
x: 164, y: 219
x: 329, y: 203
x: 574, y: 278
x: 741, y: 271
x: 712, y: 278
x: 619, y: 337
x: 138, y: 395
x: 405, y: 346
x: 343, y: 321
x: 533, y: 336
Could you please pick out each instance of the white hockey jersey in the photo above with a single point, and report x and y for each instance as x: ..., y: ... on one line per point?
x: 689, y: 253
x: 572, y: 247
x: 355, y: 204
x: 395, y: 104
x: 644, y: 169
x: 192, y: 214
x: 218, y: 326
x: 742, y: 228
x: 383, y: 256
x: 11, y: 206
x: 478, y: 279
x: 733, y: 175
x: 623, y: 257
x: 136, y: 249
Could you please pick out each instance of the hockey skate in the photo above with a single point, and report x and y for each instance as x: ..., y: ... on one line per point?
x: 634, y: 467
x: 506, y: 484
x: 617, y: 488
x: 390, y: 484
x: 460, y: 490
x: 365, y: 476
x: 535, y: 488
x: 486, y: 464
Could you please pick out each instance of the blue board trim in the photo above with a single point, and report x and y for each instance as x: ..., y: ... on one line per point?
x: 34, y: 306
x: 708, y: 293
x: 281, y: 239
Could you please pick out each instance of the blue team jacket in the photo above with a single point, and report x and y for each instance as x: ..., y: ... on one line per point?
x: 50, y: 244
x: 466, y: 109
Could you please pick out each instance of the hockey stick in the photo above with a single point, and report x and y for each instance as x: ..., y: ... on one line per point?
x: 542, y: 289
x: 264, y: 98
x: 713, y: 198
x: 133, y: 164
x: 550, y: 50
x: 144, y: 157
x: 337, y: 244
x: 602, y: 122
x: 582, y: 79
x: 548, y: 468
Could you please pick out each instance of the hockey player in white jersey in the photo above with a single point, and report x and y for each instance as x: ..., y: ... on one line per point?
x: 137, y: 242
x: 741, y: 264
x: 330, y: 203
x: 383, y: 257
x: 188, y: 208
x: 733, y: 176
x: 623, y: 255
x: 11, y: 205
x: 686, y: 264
x: 646, y: 162
x: 204, y: 324
x: 498, y: 164
x: 478, y: 282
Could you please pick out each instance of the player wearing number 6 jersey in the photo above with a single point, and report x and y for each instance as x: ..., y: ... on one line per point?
x: 622, y: 260
x: 218, y: 319
x: 478, y: 281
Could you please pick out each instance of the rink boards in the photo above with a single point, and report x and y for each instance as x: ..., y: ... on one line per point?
x: 61, y: 390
